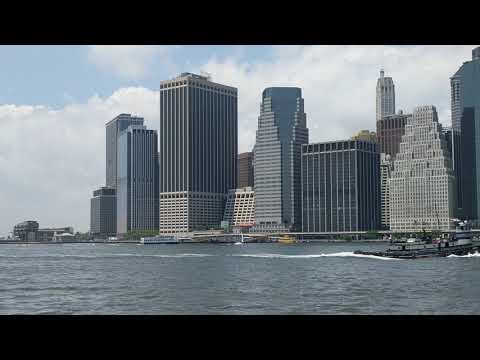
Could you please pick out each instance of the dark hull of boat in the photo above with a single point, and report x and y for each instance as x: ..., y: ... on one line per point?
x: 418, y: 254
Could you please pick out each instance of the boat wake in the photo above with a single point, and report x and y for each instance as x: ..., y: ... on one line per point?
x: 238, y: 243
x: 475, y: 254
x: 312, y: 256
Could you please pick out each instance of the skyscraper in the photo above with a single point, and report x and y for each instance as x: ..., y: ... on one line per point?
x: 340, y: 186
x: 422, y: 184
x: 103, y: 217
x: 245, y: 170
x: 113, y: 128
x: 385, y: 96
x: 390, y: 130
x: 198, y: 152
x: 465, y: 104
x: 281, y: 133
x: 137, y: 179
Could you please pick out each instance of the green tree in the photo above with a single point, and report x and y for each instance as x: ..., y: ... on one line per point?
x: 138, y: 234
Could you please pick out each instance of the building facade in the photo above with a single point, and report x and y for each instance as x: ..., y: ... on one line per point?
x: 340, y: 186
x: 103, y: 215
x: 30, y: 231
x: 465, y: 106
x: 198, y: 152
x: 245, y: 170
x: 51, y: 234
x: 281, y: 133
x: 422, y: 183
x: 26, y: 230
x: 137, y: 180
x: 113, y: 129
x: 386, y: 167
x: 385, y: 99
x: 240, y: 207
x: 390, y: 130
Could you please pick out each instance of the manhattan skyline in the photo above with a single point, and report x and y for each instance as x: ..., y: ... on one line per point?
x: 55, y: 101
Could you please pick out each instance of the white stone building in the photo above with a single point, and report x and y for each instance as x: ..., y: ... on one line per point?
x: 422, y: 184
x: 240, y: 207
x: 386, y: 167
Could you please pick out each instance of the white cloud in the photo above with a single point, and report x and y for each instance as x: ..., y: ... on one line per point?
x: 52, y: 159
x: 338, y: 83
x: 132, y: 62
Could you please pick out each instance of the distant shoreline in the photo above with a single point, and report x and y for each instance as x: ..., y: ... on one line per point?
x: 194, y: 242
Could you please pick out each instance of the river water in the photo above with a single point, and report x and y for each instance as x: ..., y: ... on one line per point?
x: 307, y: 278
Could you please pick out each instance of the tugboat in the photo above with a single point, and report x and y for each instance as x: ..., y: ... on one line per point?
x: 461, y: 243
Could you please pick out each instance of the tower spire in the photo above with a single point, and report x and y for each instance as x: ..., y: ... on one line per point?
x: 382, y: 72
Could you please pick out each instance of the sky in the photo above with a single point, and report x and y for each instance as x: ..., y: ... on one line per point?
x: 55, y: 101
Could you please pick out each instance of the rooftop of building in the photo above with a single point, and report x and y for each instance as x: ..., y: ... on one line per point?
x: 124, y: 116
x: 336, y: 145
x: 104, y: 190
x: 186, y: 77
x: 383, y: 77
x: 282, y: 91
x: 245, y: 155
x: 244, y: 189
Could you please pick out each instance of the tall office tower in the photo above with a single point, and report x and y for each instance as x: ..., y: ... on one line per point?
x: 240, y: 207
x: 465, y: 103
x: 103, y: 217
x: 422, y: 184
x: 390, y: 130
x: 340, y: 186
x: 198, y: 152
x: 281, y: 133
x: 386, y: 167
x: 385, y: 96
x: 245, y: 170
x: 113, y: 129
x: 137, y: 180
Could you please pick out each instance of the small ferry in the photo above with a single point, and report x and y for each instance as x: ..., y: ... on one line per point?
x: 460, y: 243
x: 287, y: 239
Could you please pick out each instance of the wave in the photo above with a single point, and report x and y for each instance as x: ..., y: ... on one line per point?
x: 475, y: 254
x: 105, y: 256
x: 310, y: 256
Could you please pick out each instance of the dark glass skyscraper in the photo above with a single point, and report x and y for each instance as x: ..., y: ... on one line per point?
x: 198, y: 152
x: 137, y: 180
x: 103, y: 217
x: 281, y: 132
x: 341, y: 186
x: 465, y: 102
x: 113, y: 129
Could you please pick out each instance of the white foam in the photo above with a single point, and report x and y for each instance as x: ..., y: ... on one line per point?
x: 238, y: 243
x: 475, y: 254
x: 339, y: 254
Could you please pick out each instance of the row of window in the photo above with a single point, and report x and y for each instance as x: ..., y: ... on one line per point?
x: 198, y: 85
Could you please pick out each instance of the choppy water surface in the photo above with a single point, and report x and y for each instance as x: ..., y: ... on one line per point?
x: 231, y: 279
